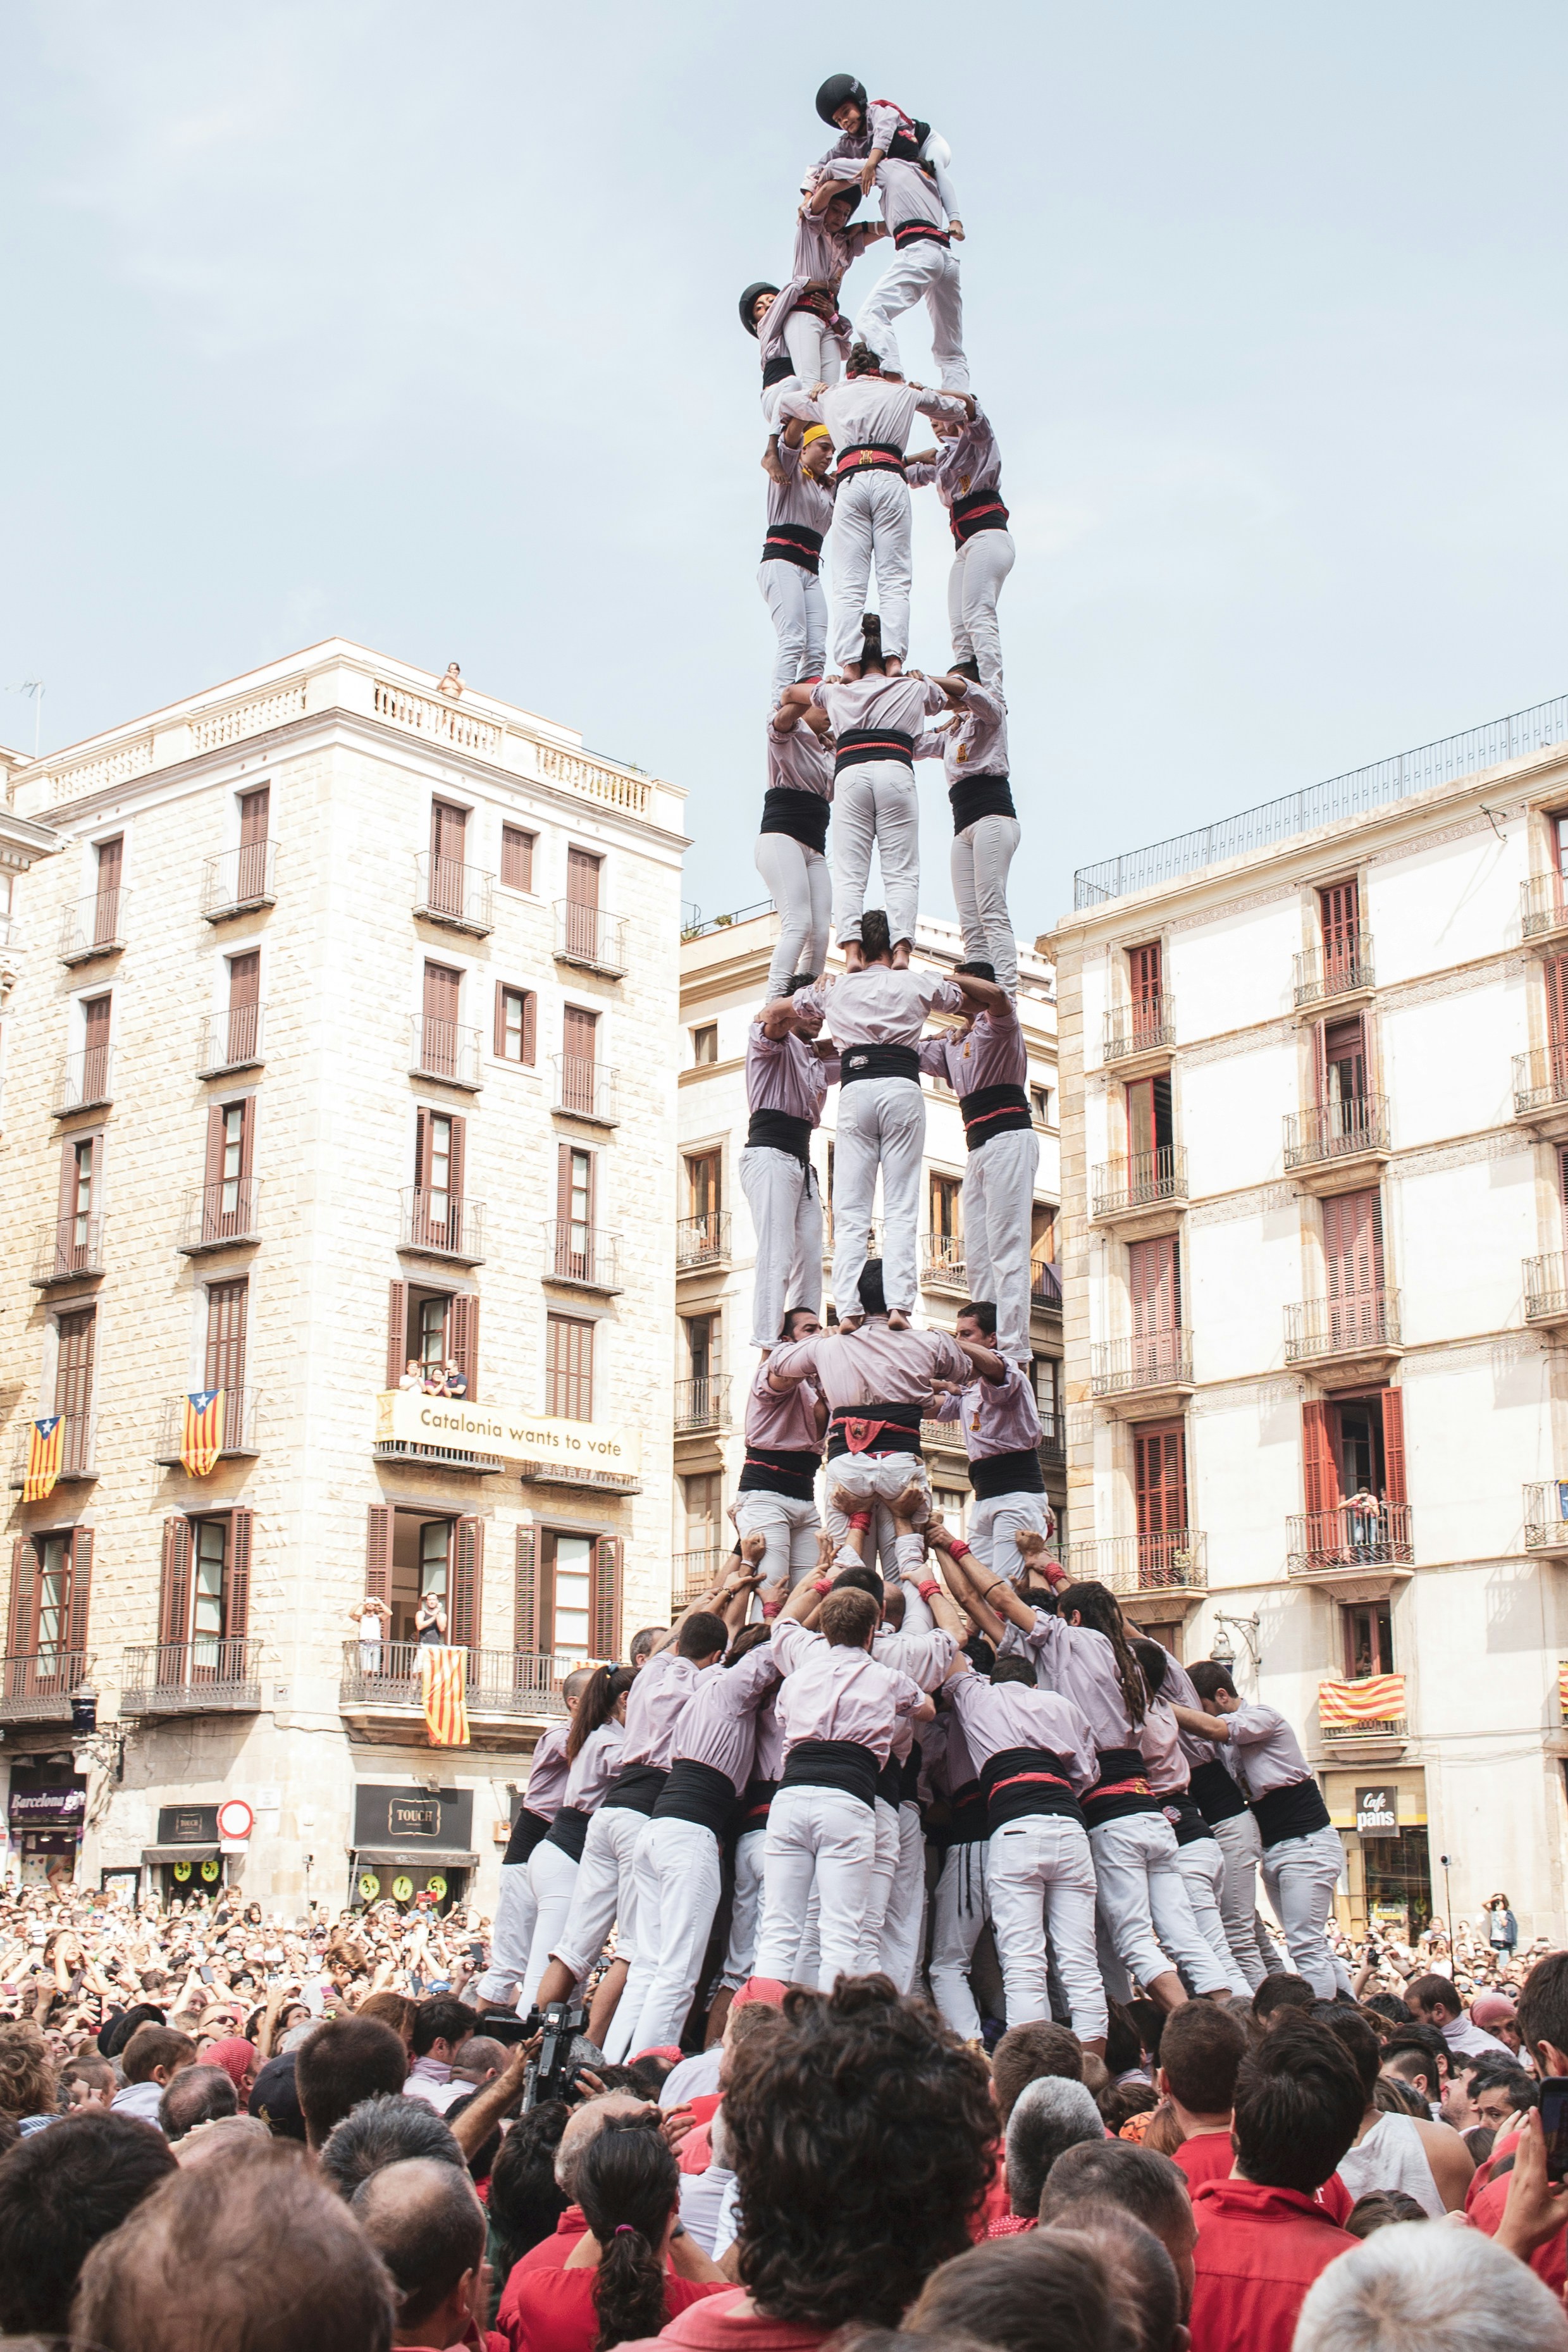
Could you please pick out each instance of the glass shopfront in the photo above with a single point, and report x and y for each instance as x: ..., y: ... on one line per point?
x: 1381, y: 1820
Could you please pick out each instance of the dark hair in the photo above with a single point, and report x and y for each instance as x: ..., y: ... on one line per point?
x: 1282, y: 1990
x: 1149, y: 2019
x: 1119, y: 2102
x: 1389, y: 2007
x: 525, y: 2203
x: 1044, y: 2291
x: 428, y: 2227
x: 114, y: 2036
x: 152, y: 2046
x: 1358, y: 2039
x: 393, y: 2008
x: 60, y: 2191
x: 1499, y: 2074
x: 702, y: 1633
x: 1014, y: 1670
x: 628, y: 2184
x: 1480, y: 2139
x: 1299, y: 2106
x: 345, y: 2061
x: 1140, y: 2269
x: 982, y: 1309
x: 787, y: 1329
x: 863, y: 361
x: 1124, y: 2042
x: 847, y: 1618
x: 749, y: 1638
x: 876, y: 939
x: 1152, y: 1663
x: 861, y: 2134
x: 1200, y: 2054
x: 638, y: 1649
x: 1207, y: 1679
x: 1393, y: 2095
x: 1434, y: 1991
x: 607, y: 1685
x: 860, y: 1578
x: 1382, y: 2209
x: 198, y: 2095
x: 1150, y: 2187
x: 1410, y: 2061
x: 386, y: 2130
x: 1026, y: 2052
x: 968, y: 668
x: 1096, y: 1605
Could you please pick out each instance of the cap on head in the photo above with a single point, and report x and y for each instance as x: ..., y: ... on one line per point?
x: 749, y: 303
x: 840, y: 89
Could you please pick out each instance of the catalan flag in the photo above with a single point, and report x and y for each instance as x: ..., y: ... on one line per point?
x: 202, y: 1438
x: 1562, y: 1691
x: 1380, y: 1698
x: 443, y: 1691
x: 45, y: 1452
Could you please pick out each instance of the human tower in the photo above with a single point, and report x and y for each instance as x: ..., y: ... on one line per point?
x: 861, y: 1683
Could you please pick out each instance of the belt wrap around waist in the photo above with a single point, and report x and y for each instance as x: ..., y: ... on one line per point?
x: 568, y: 1830
x: 755, y: 1805
x: 857, y: 745
x: 1120, y: 1787
x: 980, y: 511
x: 697, y: 1792
x: 1019, y: 1780
x: 802, y: 815
x: 820, y: 299
x: 1186, y: 1817
x: 981, y: 794
x: 777, y: 369
x: 867, y: 1428
x: 779, y: 1470
x: 1214, y: 1791
x: 994, y: 1110
x: 915, y: 232
x: 528, y: 1831
x: 889, y: 1785
x: 1295, y: 1811
x: 832, y: 1764
x: 966, y: 1823
x: 870, y: 457
x: 909, y: 1776
x: 793, y: 542
x: 637, y: 1788
x: 1005, y: 1474
x: 782, y: 1130
x: 878, y: 1062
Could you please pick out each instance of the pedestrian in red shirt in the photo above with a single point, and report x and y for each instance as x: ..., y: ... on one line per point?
x: 1114, y: 2176
x: 1261, y: 2239
x: 1200, y: 2056
x: 1543, y: 2022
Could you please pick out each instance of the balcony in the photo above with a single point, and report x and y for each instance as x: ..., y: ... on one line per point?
x: 694, y: 1573
x: 585, y: 1478
x: 1345, y: 1341
x: 585, y: 1090
x: 1150, y: 1372
x: 93, y: 927
x: 591, y: 941
x: 702, y: 1242
x: 242, y: 1415
x: 231, y: 1041
x: 37, y: 1688
x: 453, y: 1461
x: 1053, y: 1440
x: 239, y: 881
x: 443, y: 1224
x: 1546, y: 1515
x: 947, y: 1436
x: 701, y: 1404
x: 582, y: 1257
x: 1543, y: 907
x: 70, y: 1249
x: 442, y: 1049
x: 86, y: 1082
x: 78, y: 1450
x: 1339, y: 974
x: 1140, y: 1035
x: 1159, y: 1579
x: 206, y: 1677
x: 1541, y: 1089
x: 1148, y: 1185
x: 224, y: 1215
x: 1357, y: 1551
x: 1044, y: 1288
x: 1364, y: 1720
x: 942, y: 1264
x: 384, y: 1678
x: 457, y: 897
x: 1546, y: 1291
x: 1335, y: 1147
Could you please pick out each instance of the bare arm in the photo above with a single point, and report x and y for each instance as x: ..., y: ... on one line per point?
x: 986, y: 1360
x: 479, y: 2118
x: 962, y: 1591
x: 996, y: 1598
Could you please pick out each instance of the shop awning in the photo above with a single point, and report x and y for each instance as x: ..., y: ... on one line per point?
x: 436, y: 1858
x: 180, y: 1852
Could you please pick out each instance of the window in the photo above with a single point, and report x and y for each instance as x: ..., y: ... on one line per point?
x: 702, y: 1345
x: 565, y: 1613
x: 1153, y: 1281
x: 517, y: 859
x: 703, y: 1499
x: 1353, y: 1471
x: 97, y: 1013
x: 1556, y: 974
x: 110, y: 862
x: 1159, y: 1484
x: 442, y: 996
x: 203, y: 1609
x: 439, y: 1152
x: 1339, y: 915
x: 1368, y: 1632
x: 1151, y: 1133
x: 1557, y: 831
x: 1341, y: 1077
x: 946, y: 1214
x: 574, y: 1241
x: 1039, y: 1105
x: 579, y: 1067
x: 210, y: 1552
x: 229, y: 1308
x: 568, y: 1367
x: 47, y: 1630
x: 1352, y: 1263
x: 516, y: 1023
x: 703, y: 1183
x: 448, y: 849
x: 226, y: 1201
x: 243, y: 1006
x: 582, y: 869
x: 951, y: 1502
x: 75, y: 1336
x: 430, y: 1331
x: 704, y: 1045
x: 75, y: 1237
x: 408, y: 1554
x: 1145, y: 981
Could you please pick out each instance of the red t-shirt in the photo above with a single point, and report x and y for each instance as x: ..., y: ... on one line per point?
x: 551, y: 2252
x: 553, y: 2310
x: 716, y: 2325
x: 1206, y: 2156
x: 1549, y: 2261
x: 1258, y: 2250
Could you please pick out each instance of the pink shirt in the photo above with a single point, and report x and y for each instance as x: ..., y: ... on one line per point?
x: 783, y: 1424
x: 719, y: 1726
x: 549, y: 1773
x: 822, y: 255
x: 999, y: 1417
x: 901, y: 703
x: 1079, y: 1664
x: 1266, y: 1752
x: 976, y: 744
x: 872, y: 1365
x: 992, y: 1054
x: 655, y: 1705
x: 769, y: 1759
x: 878, y: 1006
x: 866, y: 409
x: 784, y: 1074
x: 971, y: 462
x: 999, y: 1715
x: 1165, y: 1766
x: 595, y: 1768
x: 799, y: 497
x: 945, y: 1760
x: 800, y: 761
x: 834, y: 1693
x: 925, y: 1658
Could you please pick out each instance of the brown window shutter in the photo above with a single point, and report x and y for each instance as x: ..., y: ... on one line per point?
x: 499, y: 1040
x: 174, y: 1595
x: 19, y: 1624
x: 421, y: 1149
x: 462, y: 1339
x: 215, y: 1143
x: 236, y: 1577
x: 467, y: 1571
x: 81, y: 1589
x: 379, y: 1552
x: 1320, y: 1478
x: 246, y: 1137
x: 526, y: 1592
x: 562, y: 1182
x: 605, y: 1596
x: 530, y: 1028
x: 459, y: 1128
x: 397, y: 1331
x: 1394, y: 1444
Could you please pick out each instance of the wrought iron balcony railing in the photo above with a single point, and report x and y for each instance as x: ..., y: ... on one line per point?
x: 586, y: 1089
x: 1365, y: 1534
x: 703, y: 1240
x: 1053, y: 1440
x: 36, y: 1687
x: 694, y: 1573
x: 448, y: 892
x: 1372, y: 1707
x: 237, y: 880
x: 1543, y: 906
x: 1546, y: 1515
x: 589, y: 937
x: 1546, y: 1287
x: 207, y: 1676
x: 231, y: 1040
x: 94, y: 926
x: 1340, y: 968
x: 1367, y: 1321
x: 1540, y: 1078
x: 242, y: 1415
x: 389, y: 1677
x: 85, y: 1081
x: 443, y: 1224
x: 1044, y: 1287
x: 222, y: 1215
x: 702, y: 1404
x: 942, y: 1264
x: 1146, y: 1026
x: 1151, y: 1360
x: 582, y: 1254
x: 68, y: 1250
x: 79, y: 1447
x: 445, y: 1050
x: 1144, y: 1179
x: 1337, y: 1130
x: 1174, y: 1561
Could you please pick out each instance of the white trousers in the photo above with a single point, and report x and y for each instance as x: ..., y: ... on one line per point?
x: 959, y: 1909
x: 994, y: 1522
x: 787, y: 1219
x: 802, y: 886
x: 814, y: 351
x: 1040, y: 1878
x: 1143, y: 1903
x: 1242, y: 1848
x: 605, y: 1893
x: 881, y: 1124
x: 883, y: 1869
x: 552, y: 1882
x: 980, y: 567
x: 876, y: 1478
x: 822, y: 1839
x: 923, y: 270
x: 744, y: 1909
x: 1202, y: 1866
x: 998, y: 1199
x: 898, y: 1954
x: 679, y: 1881
x: 981, y: 856
x: 772, y: 394
x: 512, y: 1936
x: 798, y: 608
x: 1300, y: 1875
x: 791, y: 1527
x: 876, y: 800
x: 871, y: 524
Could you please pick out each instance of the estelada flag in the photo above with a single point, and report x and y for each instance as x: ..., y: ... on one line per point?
x: 443, y: 1674
x: 45, y: 1452
x: 202, y: 1439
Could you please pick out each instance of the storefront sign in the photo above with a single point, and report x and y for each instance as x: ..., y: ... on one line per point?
x: 187, y: 1824
x: 1377, y: 1811
x: 48, y: 1809
x: 419, y: 1420
x: 439, y: 1818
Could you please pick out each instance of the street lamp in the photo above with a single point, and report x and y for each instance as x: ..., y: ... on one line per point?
x: 1222, y: 1649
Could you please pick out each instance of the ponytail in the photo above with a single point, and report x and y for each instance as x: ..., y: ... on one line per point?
x: 628, y: 2186
x: 1096, y: 1605
x: 606, y: 1685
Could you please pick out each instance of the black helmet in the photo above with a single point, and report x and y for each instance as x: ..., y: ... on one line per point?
x: 836, y: 91
x: 748, y: 301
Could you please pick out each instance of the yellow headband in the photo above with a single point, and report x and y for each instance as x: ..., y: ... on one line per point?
x: 813, y: 433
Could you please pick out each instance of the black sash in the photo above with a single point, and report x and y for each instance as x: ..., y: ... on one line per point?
x: 909, y: 1776
x: 965, y: 1823
x: 981, y: 510
x: 869, y: 458
x: 1022, y: 1781
x: 756, y: 1804
x: 781, y: 1130
x: 637, y: 1788
x: 802, y: 815
x: 906, y: 144
x: 1295, y: 1811
x: 994, y: 1110
x: 879, y: 1423
x: 915, y: 231
x: 857, y: 745
x: 1005, y: 1474
x: 832, y: 1764
x: 775, y: 370
x: 697, y: 1792
x: 568, y: 1830
x: 793, y: 542
x: 878, y: 1062
x: 1122, y: 1788
x: 1186, y: 1817
x: 889, y: 1785
x: 1216, y: 1793
x: 980, y: 795
x: 527, y: 1830
x: 770, y: 1470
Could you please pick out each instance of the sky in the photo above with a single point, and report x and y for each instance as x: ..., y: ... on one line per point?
x: 419, y: 326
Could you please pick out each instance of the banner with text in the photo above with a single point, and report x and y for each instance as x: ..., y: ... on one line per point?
x: 415, y: 1419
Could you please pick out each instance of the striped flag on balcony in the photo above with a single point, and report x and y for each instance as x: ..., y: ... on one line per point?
x: 1343, y: 1705
x: 45, y: 1452
x: 1562, y: 1691
x: 443, y: 1694
x: 202, y: 1436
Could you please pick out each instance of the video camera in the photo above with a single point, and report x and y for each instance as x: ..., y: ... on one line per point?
x: 553, y: 2074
